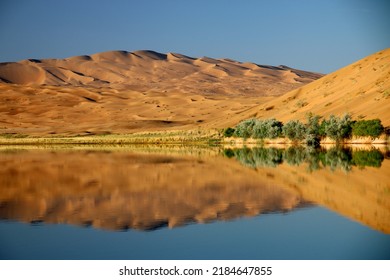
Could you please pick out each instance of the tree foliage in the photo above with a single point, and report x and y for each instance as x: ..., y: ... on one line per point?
x: 270, y: 128
x: 245, y: 128
x: 313, y: 133
x: 228, y: 132
x: 338, y: 128
x: 372, y: 128
x: 294, y: 130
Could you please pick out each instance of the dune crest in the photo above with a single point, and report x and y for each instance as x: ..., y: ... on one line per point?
x: 125, y: 92
x: 146, y: 68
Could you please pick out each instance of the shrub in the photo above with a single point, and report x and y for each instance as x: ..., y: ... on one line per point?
x: 371, y: 128
x: 313, y: 135
x: 260, y: 130
x: 270, y: 128
x: 338, y: 128
x: 322, y: 128
x: 228, y: 132
x: 244, y: 129
x: 294, y: 130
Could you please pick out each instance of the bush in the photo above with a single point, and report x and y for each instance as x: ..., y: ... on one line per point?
x: 313, y: 134
x: 270, y: 128
x: 338, y: 128
x: 371, y: 128
x: 228, y: 132
x: 335, y: 128
x: 294, y: 130
x: 245, y: 128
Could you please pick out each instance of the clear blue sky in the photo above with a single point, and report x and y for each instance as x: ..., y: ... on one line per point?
x: 312, y: 35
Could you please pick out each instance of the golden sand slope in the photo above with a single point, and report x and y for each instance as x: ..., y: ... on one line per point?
x: 160, y: 92
x: 121, y: 92
x: 361, y: 89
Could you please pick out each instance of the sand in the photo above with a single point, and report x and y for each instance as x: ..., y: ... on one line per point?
x: 124, y: 92
x: 361, y: 89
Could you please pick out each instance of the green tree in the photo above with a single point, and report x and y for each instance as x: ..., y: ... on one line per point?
x: 338, y: 128
x: 270, y: 128
x: 245, y: 128
x: 372, y: 128
x: 313, y: 134
x: 228, y: 132
x: 294, y: 130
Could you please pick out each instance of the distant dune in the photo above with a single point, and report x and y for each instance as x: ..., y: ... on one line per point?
x: 125, y: 92
x: 149, y: 70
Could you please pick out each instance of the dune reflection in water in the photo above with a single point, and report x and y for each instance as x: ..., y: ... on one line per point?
x: 127, y: 190
x: 119, y: 190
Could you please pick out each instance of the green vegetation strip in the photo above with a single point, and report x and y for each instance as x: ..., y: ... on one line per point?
x: 173, y: 137
x: 312, y: 132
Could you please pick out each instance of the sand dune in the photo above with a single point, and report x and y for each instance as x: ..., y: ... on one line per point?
x: 147, y: 68
x: 361, y: 89
x: 125, y: 92
x: 122, y: 92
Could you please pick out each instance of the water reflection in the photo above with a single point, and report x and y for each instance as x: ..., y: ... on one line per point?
x: 333, y: 158
x: 127, y: 189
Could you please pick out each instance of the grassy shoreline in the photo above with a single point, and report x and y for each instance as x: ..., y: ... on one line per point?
x: 187, y: 138
x: 211, y: 137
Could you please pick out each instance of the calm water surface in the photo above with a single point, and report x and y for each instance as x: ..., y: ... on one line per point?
x: 194, y: 203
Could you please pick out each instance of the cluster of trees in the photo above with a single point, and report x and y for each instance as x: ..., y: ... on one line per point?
x: 336, y: 128
x: 334, y: 158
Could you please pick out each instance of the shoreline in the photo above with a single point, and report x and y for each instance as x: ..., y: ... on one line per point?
x: 187, y: 138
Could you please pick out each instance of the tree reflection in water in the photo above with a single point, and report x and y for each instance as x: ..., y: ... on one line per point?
x: 333, y: 158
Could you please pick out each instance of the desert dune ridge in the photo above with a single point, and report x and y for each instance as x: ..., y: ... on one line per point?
x: 149, y: 70
x: 125, y: 92
x: 120, y: 92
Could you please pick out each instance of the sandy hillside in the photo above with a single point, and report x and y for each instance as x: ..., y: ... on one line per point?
x: 361, y: 89
x: 122, y: 92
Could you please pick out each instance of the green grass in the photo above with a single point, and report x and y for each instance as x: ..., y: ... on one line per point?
x: 208, y: 137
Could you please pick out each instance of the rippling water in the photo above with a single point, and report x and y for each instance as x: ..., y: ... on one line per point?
x: 194, y: 203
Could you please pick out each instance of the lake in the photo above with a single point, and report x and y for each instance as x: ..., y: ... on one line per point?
x: 189, y: 202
